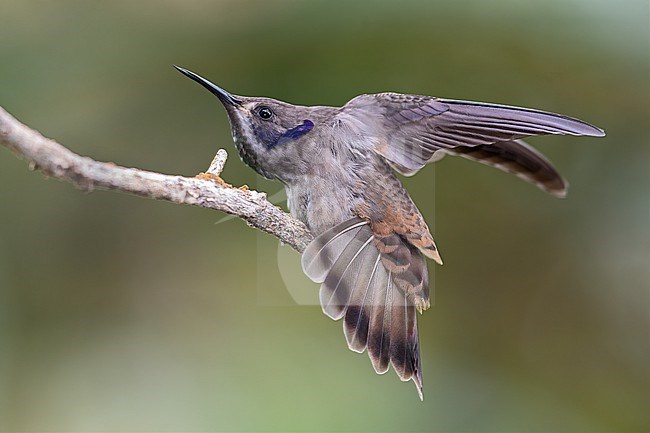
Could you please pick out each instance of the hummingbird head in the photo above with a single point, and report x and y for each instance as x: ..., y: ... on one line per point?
x: 270, y: 135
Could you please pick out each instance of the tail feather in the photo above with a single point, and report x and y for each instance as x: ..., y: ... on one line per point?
x: 347, y: 274
x: 379, y: 331
x: 357, y: 316
x: 376, y: 287
x: 321, y: 254
x: 404, y: 345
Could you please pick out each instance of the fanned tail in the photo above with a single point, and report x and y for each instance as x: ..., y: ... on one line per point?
x: 375, y: 289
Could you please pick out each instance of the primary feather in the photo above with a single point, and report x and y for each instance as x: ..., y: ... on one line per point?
x: 411, y: 131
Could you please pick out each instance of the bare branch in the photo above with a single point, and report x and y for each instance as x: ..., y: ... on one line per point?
x: 219, y: 161
x: 207, y: 190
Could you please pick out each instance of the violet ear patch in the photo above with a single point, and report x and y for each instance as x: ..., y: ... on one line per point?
x: 296, y: 132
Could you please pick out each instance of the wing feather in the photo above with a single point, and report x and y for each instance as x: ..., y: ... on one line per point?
x: 518, y: 158
x: 410, y: 131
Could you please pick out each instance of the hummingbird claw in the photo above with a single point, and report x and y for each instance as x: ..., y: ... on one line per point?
x: 214, y: 178
x: 422, y: 304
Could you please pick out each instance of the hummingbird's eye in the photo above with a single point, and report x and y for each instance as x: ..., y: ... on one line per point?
x: 265, y: 113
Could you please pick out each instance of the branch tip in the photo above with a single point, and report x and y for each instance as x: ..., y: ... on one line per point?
x: 218, y: 162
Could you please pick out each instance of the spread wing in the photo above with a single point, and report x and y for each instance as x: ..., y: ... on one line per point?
x: 411, y: 131
x: 375, y: 284
x: 518, y: 158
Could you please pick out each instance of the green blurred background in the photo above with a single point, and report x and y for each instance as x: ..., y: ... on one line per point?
x: 119, y: 313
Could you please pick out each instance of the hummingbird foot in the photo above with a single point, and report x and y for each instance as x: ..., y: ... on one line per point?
x: 214, y: 178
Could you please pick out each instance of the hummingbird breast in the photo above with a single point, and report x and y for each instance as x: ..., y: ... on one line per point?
x: 343, y: 184
x: 359, y: 185
x: 323, y: 201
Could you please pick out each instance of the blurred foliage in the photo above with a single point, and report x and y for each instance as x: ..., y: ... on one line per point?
x: 118, y: 313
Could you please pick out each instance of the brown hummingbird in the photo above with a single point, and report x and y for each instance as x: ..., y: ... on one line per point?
x: 338, y: 167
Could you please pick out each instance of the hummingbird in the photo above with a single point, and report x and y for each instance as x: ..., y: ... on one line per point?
x: 338, y: 166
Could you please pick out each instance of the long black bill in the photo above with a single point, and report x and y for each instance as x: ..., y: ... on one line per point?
x: 223, y: 96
